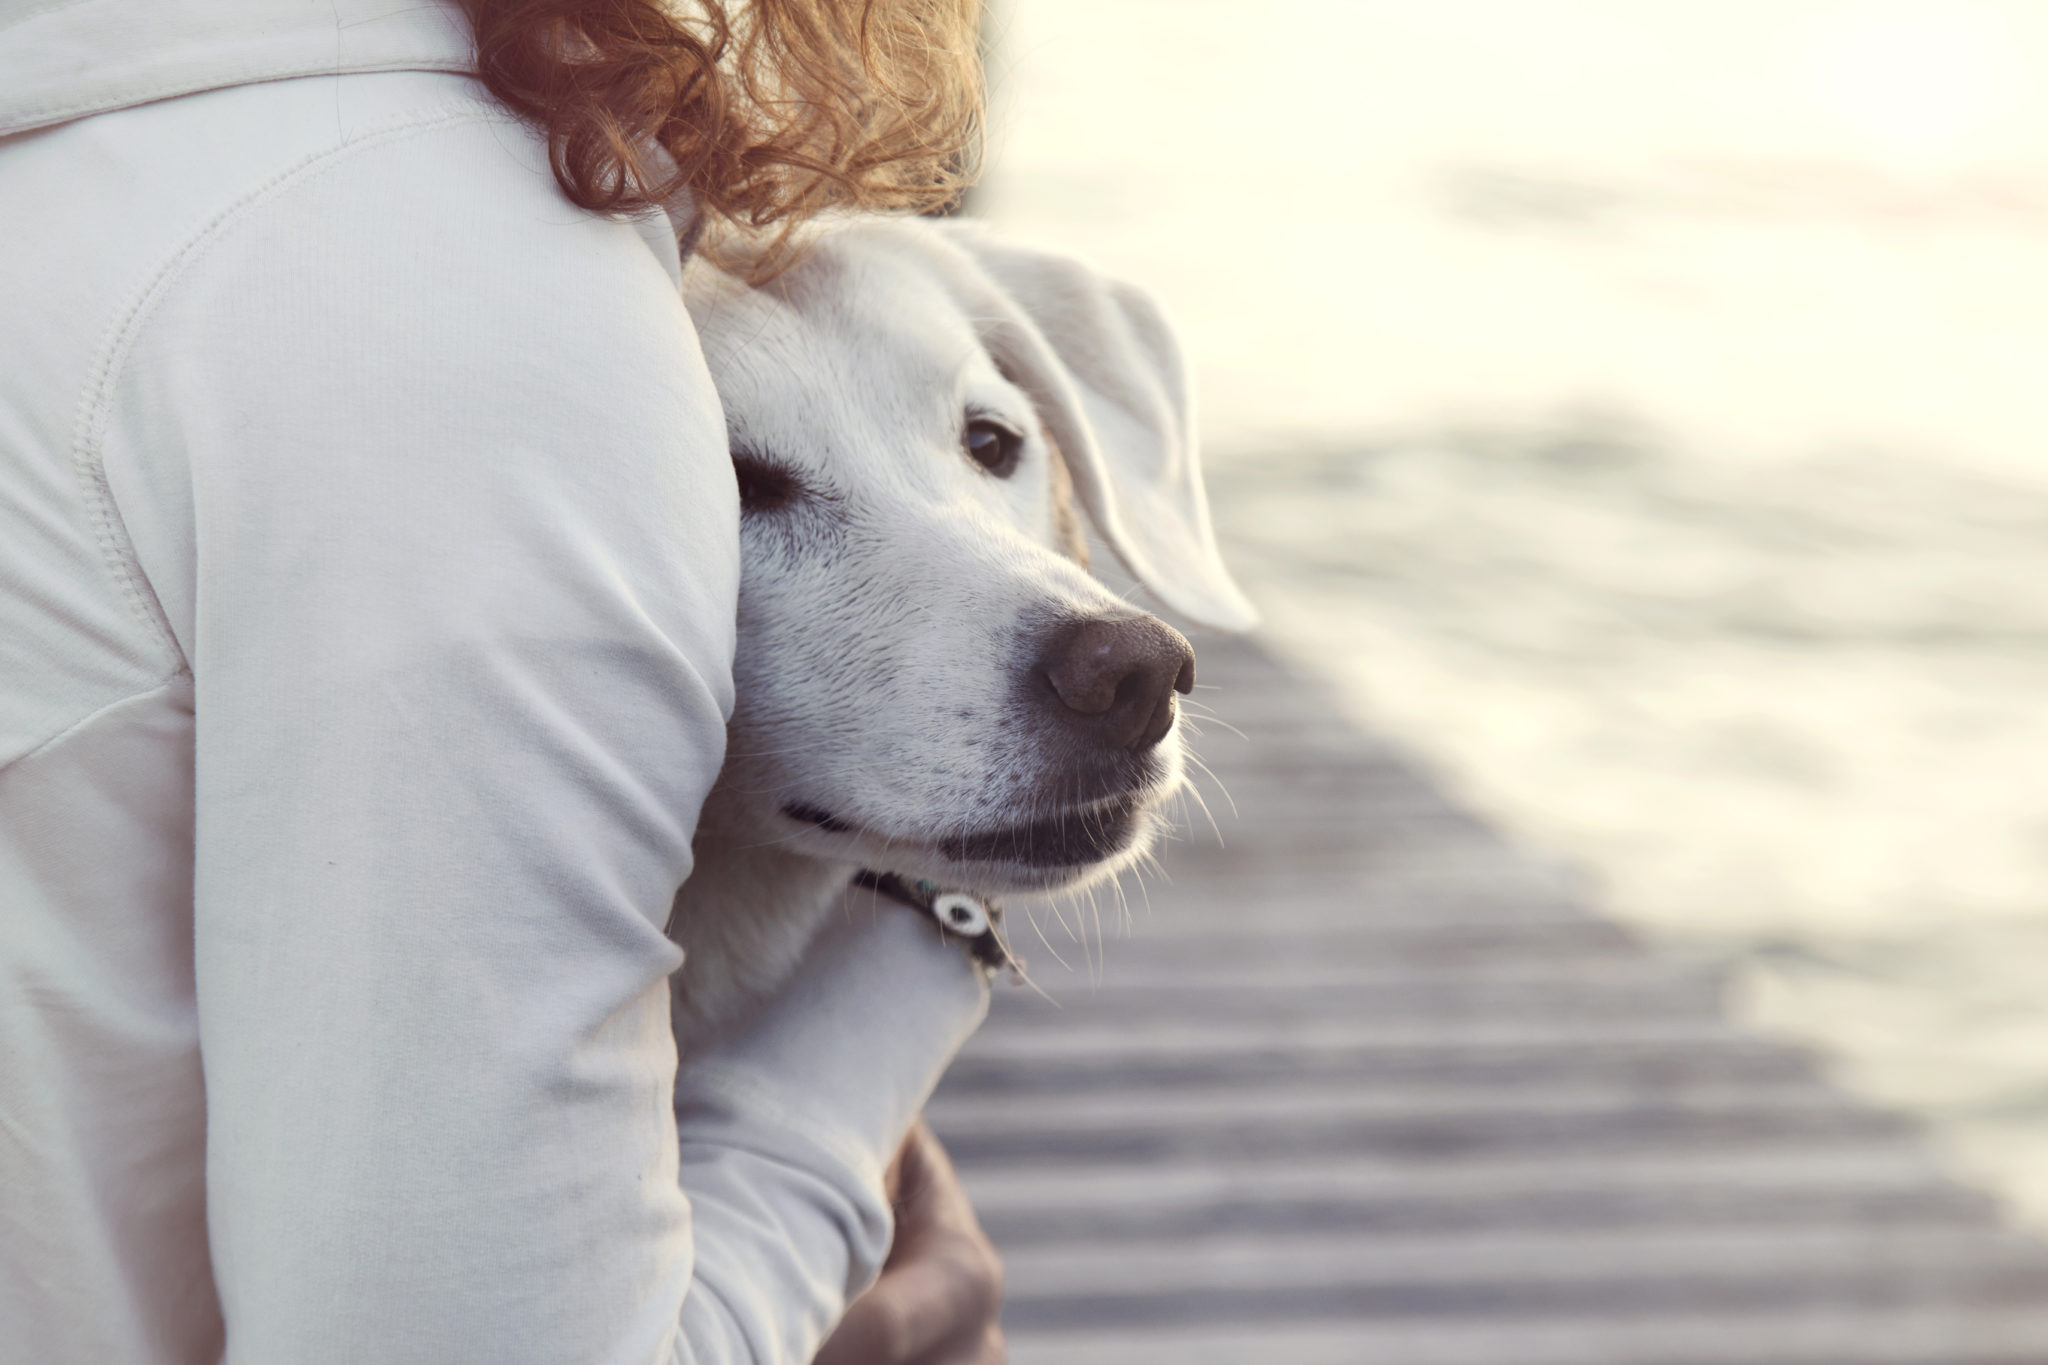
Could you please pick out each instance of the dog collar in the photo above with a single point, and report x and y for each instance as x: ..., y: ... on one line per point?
x: 974, y: 922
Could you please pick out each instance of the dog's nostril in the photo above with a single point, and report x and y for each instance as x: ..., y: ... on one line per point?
x: 1118, y: 675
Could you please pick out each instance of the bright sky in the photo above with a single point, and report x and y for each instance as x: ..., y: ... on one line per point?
x: 1772, y: 223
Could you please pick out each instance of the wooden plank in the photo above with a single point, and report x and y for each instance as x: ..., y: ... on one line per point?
x: 1176, y: 1037
x: 1060, y: 1214
x: 1888, y: 1175
x: 1109, y: 1059
x: 1877, y: 1335
x: 1675, y: 1128
x: 1396, y: 1272
x: 1623, y: 996
x: 1292, y: 1105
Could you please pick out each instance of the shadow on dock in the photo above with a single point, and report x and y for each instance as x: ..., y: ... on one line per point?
x: 1366, y: 1084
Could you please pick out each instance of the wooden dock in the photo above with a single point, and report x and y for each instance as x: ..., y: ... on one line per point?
x: 1368, y: 1085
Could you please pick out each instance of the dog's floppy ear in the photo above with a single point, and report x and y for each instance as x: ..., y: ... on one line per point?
x: 1099, y: 361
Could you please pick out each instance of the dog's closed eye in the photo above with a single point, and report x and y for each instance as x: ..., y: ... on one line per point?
x: 765, y: 484
x: 992, y: 445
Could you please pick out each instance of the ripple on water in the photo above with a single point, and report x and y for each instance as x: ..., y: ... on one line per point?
x: 1796, y: 711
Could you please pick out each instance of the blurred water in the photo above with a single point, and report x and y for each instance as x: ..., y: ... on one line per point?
x: 1792, y: 713
x: 1638, y: 409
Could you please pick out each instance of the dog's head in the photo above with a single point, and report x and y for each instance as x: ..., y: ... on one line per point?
x: 929, y: 682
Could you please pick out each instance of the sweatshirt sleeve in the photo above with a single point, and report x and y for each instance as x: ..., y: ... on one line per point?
x: 799, y: 1103
x: 427, y: 479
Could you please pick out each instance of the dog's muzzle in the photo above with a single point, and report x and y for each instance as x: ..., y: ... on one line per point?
x: 1071, y: 838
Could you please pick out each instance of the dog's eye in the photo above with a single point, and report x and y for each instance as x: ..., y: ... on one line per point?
x: 993, y: 446
x: 765, y: 486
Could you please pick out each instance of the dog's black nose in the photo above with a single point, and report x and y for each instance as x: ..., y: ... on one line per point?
x: 1115, y: 677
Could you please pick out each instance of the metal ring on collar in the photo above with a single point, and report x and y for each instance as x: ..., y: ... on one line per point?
x: 961, y: 913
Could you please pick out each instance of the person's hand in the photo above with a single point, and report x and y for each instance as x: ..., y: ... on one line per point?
x: 940, y: 1295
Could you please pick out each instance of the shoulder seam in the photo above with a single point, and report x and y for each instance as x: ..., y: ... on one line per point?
x: 96, y: 398
x: 35, y: 116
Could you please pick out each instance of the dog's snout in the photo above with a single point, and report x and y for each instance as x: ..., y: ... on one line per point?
x: 1115, y: 678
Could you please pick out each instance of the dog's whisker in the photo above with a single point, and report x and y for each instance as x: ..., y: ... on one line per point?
x: 1077, y: 901
x: 1123, y: 905
x: 1101, y: 933
x: 1176, y: 809
x: 1017, y: 968
x: 1039, y: 929
x: 1208, y: 717
x: 1142, y: 867
x: 1098, y: 960
x: 1058, y: 915
x: 1158, y: 869
x: 1214, y: 828
x: 1090, y: 943
x: 1210, y: 773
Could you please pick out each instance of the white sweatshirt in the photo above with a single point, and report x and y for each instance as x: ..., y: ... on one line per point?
x: 367, y: 571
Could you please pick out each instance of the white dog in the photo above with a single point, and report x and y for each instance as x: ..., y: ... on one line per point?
x: 928, y: 681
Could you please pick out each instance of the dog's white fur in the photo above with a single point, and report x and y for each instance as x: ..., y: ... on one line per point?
x: 893, y: 599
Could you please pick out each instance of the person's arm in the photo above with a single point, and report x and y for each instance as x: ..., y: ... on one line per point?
x: 748, y: 1107
x: 939, y: 1300
x: 429, y: 482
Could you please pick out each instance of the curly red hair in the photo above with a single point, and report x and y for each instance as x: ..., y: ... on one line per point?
x: 768, y: 110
